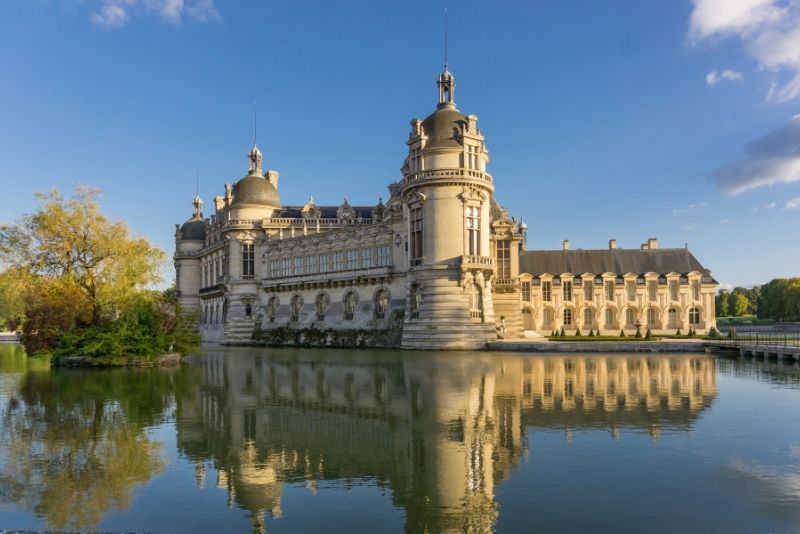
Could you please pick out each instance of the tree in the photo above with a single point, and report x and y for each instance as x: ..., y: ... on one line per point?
x: 738, y: 304
x: 12, y: 301
x: 70, y: 240
x: 721, y: 302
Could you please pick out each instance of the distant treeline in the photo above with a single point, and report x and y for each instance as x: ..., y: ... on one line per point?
x: 778, y: 300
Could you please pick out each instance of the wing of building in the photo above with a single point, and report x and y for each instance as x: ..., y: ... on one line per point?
x: 440, y: 262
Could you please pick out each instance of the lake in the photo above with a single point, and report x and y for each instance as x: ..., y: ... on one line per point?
x: 285, y: 440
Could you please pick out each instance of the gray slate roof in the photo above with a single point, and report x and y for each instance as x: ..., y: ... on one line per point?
x: 618, y: 261
x: 440, y: 127
x: 327, y: 212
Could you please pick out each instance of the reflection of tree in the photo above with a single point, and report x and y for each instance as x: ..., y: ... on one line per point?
x: 75, y: 442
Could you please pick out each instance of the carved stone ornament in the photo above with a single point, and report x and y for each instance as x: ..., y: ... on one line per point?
x: 472, y: 194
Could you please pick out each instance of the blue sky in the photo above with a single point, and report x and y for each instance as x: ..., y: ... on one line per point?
x: 624, y: 119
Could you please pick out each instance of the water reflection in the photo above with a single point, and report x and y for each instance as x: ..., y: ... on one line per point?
x: 74, y: 442
x: 440, y: 430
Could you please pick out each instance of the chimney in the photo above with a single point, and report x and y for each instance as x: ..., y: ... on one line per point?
x: 612, y: 244
x: 644, y: 246
x: 219, y: 203
x: 272, y: 176
x: 652, y: 243
x: 565, y: 244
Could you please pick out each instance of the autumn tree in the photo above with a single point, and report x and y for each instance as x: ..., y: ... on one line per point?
x: 70, y: 240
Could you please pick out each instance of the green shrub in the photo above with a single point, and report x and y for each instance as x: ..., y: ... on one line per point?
x: 562, y: 334
x: 648, y: 334
x: 622, y: 333
x: 578, y: 332
x: 678, y: 333
x: 591, y: 333
x: 638, y: 334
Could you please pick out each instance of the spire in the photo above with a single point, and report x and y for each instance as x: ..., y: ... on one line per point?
x: 446, y: 83
x: 255, y: 156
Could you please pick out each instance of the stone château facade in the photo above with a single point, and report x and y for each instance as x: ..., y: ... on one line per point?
x: 440, y: 259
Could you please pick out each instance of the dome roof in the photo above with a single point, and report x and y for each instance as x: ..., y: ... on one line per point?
x: 441, y: 125
x: 255, y: 190
x: 194, y: 229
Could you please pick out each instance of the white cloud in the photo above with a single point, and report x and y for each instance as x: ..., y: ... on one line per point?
x: 714, y: 77
x: 690, y: 207
x: 792, y: 203
x: 114, y: 14
x: 769, y: 160
x: 768, y: 29
x: 770, y: 206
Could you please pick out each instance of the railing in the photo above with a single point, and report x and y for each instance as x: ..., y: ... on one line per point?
x: 300, y: 222
x: 444, y: 174
x: 416, y: 262
x: 382, y: 270
x: 476, y: 314
x: 476, y: 262
x: 759, y: 339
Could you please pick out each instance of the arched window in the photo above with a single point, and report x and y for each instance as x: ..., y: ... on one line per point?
x: 296, y: 305
x: 321, y: 304
x: 694, y: 316
x: 630, y: 317
x: 547, y: 318
x: 349, y: 302
x: 652, y: 317
x: 588, y: 317
x: 272, y: 308
x: 415, y: 295
x: 672, y: 318
x: 568, y: 317
x: 381, y: 303
x: 611, y: 318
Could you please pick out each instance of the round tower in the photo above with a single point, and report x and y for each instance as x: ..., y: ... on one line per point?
x: 447, y: 193
x: 189, y: 239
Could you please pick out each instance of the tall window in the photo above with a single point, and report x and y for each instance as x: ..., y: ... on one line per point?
x: 324, y: 263
x: 694, y: 316
x: 547, y: 291
x: 652, y: 289
x: 286, y: 267
x: 272, y: 308
x: 588, y: 317
x: 298, y: 265
x: 547, y: 318
x: 352, y: 259
x: 472, y: 157
x: 321, y: 305
x: 473, y: 231
x: 311, y: 264
x: 416, y: 235
x: 349, y: 305
x: 526, y: 291
x: 383, y: 255
x: 588, y: 290
x: 567, y: 289
x: 416, y: 301
x: 338, y: 261
x: 248, y: 260
x: 296, y: 306
x: 695, y: 289
x: 381, y: 303
x: 567, y: 317
x: 367, y: 259
x: 611, y: 318
x: 630, y: 289
x: 652, y: 317
x: 609, y: 290
x: 630, y: 317
x: 673, y: 290
x: 504, y: 259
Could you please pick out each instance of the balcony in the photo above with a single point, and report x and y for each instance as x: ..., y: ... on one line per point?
x: 477, y: 262
x: 450, y: 174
